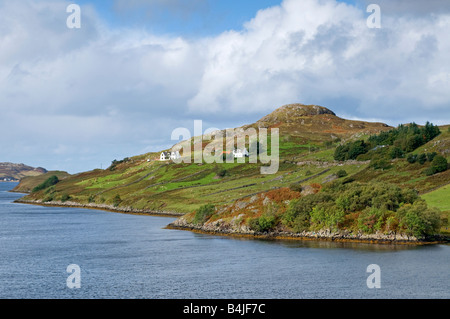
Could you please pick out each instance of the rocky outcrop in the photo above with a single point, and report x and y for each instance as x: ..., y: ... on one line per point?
x: 236, y: 228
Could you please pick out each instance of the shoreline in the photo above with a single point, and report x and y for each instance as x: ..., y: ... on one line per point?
x: 398, y: 239
x: 180, y: 224
x: 104, y: 207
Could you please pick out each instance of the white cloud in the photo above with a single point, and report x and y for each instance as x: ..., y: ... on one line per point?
x: 119, y: 91
x: 313, y: 51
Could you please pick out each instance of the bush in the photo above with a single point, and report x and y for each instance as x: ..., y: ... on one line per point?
x: 419, y: 220
x: 296, y: 187
x: 380, y: 164
x: 52, y: 180
x: 422, y: 158
x: 204, y: 213
x: 431, y: 156
x: 48, y: 198
x: 429, y: 171
x: 412, y: 158
x: 65, y: 197
x: 117, y: 200
x: 396, y: 152
x: 341, y: 173
x: 222, y: 172
x: 262, y: 224
x: 350, y: 150
x: 439, y: 163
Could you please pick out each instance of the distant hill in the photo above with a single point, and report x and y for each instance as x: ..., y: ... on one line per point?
x: 14, y: 172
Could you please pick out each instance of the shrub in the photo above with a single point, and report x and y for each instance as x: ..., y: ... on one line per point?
x: 431, y: 156
x: 263, y: 224
x: 396, y: 152
x: 50, y: 190
x: 52, y: 180
x: 371, y: 219
x: 419, y: 220
x: 48, y: 198
x: 380, y: 164
x: 204, y: 213
x: 429, y: 171
x: 422, y: 158
x: 65, y: 197
x: 117, y: 200
x: 412, y: 158
x: 296, y: 187
x: 439, y: 163
x: 341, y: 173
x: 222, y: 172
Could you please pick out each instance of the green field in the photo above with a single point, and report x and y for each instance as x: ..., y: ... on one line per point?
x: 439, y: 198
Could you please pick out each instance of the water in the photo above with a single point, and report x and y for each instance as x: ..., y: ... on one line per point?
x: 130, y: 256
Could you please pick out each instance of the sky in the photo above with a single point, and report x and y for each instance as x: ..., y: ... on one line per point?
x: 75, y: 99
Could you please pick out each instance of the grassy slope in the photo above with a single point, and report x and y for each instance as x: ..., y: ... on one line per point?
x: 28, y: 183
x: 183, y: 188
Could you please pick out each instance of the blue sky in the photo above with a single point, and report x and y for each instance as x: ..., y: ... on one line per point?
x: 192, y: 18
x: 75, y: 99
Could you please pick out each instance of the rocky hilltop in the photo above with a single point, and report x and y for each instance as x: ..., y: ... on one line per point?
x: 314, y: 123
x: 14, y: 172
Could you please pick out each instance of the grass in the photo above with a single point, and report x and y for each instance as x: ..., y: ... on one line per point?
x: 439, y: 198
x: 185, y: 187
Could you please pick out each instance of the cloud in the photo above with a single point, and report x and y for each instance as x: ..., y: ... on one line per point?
x: 101, y: 92
x: 322, y: 51
x: 411, y: 7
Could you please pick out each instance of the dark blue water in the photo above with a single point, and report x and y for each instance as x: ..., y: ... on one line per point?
x: 130, y: 256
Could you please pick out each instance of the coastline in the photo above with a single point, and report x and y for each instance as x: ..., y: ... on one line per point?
x: 104, y: 207
x: 324, y: 235
x: 218, y: 230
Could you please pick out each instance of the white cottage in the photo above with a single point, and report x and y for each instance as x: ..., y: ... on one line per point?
x: 165, y: 156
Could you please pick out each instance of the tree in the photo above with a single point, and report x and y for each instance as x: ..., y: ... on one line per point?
x: 430, y: 156
x: 204, y: 213
x: 412, y: 158
x: 52, y: 180
x: 418, y: 219
x: 396, y: 152
x: 439, y: 163
x: 422, y: 158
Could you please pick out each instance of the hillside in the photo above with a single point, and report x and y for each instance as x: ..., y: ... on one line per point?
x: 11, y: 171
x: 29, y: 182
x: 309, y: 137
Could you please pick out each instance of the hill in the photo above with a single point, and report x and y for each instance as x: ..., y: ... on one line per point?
x: 29, y: 182
x: 309, y: 137
x: 14, y: 172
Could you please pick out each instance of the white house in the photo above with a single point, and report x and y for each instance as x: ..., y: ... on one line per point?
x: 175, y: 155
x: 240, y: 152
x: 165, y: 156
